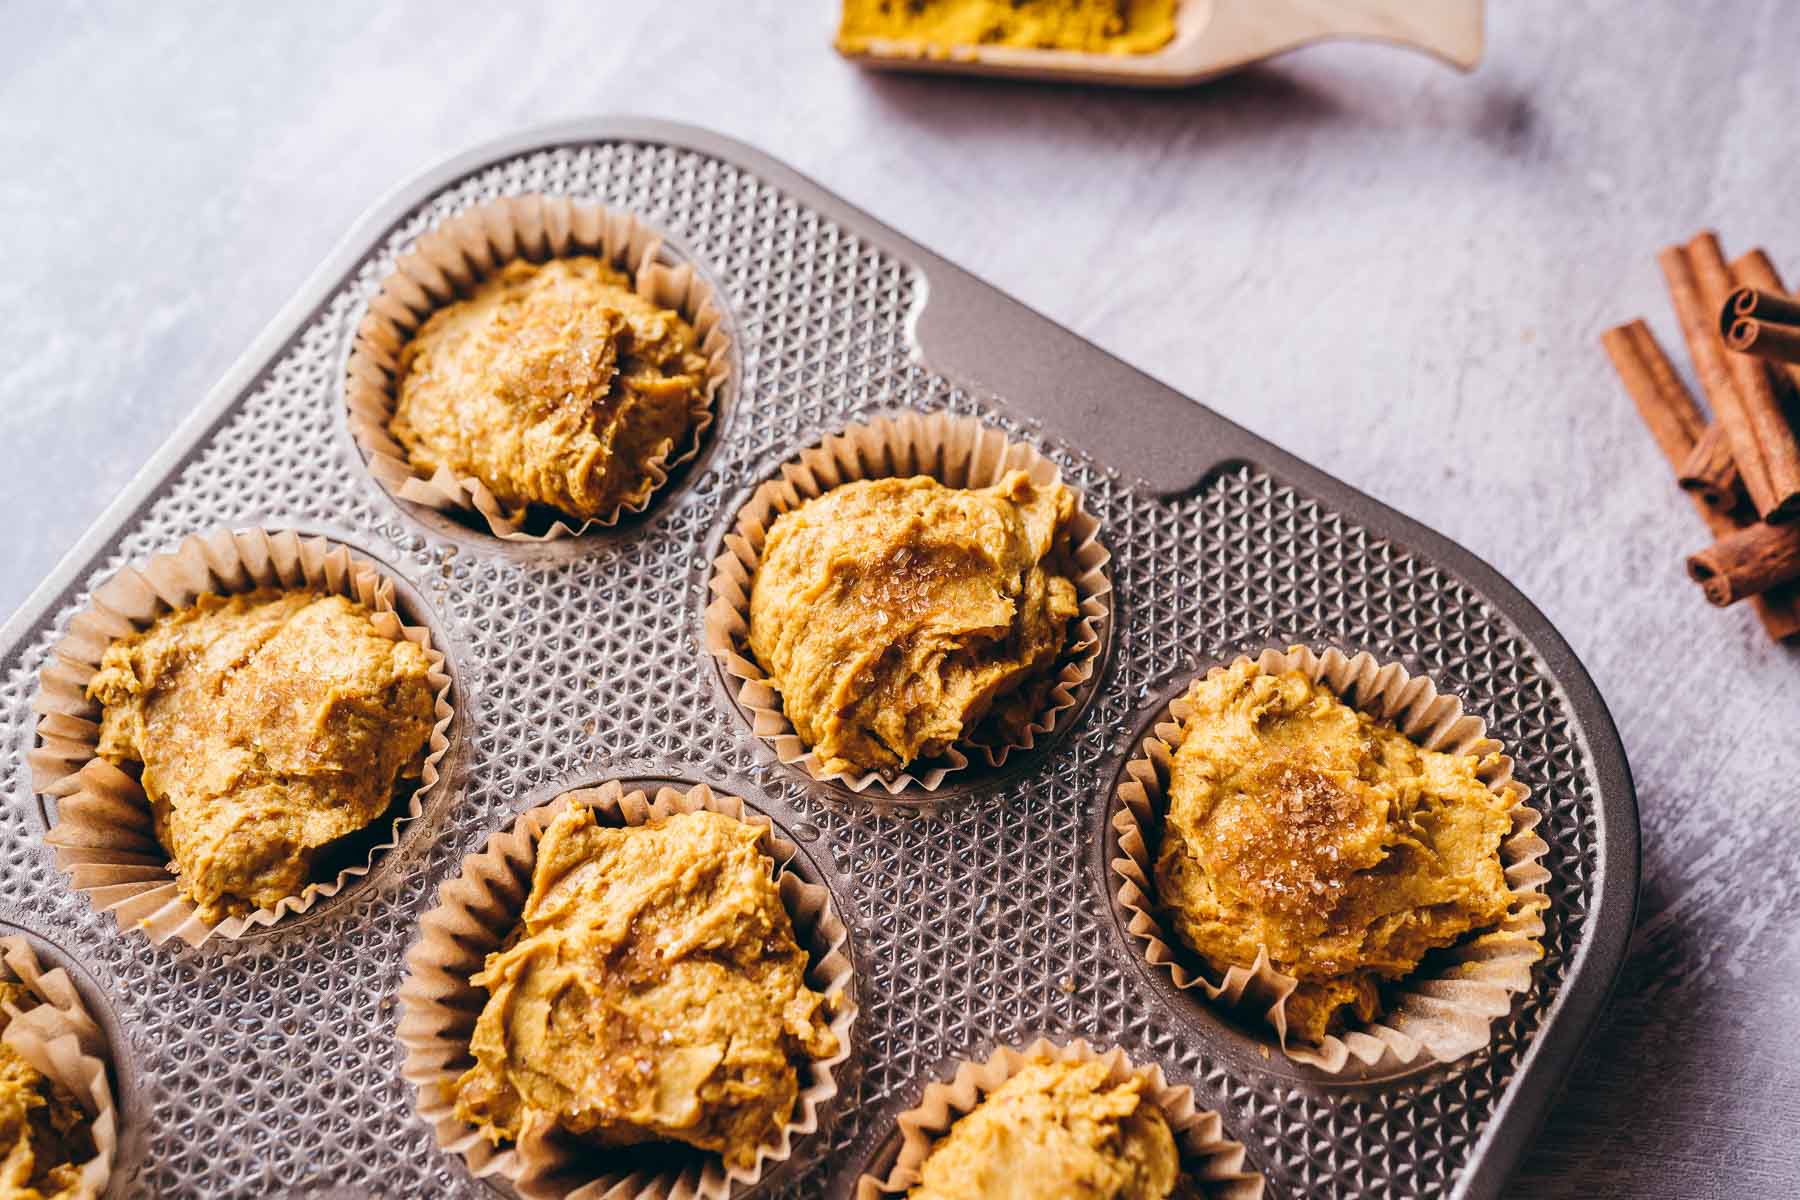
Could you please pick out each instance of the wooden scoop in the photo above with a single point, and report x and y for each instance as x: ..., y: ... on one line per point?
x: 1213, y: 37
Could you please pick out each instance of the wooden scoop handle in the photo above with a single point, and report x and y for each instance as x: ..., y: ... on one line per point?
x: 1241, y: 31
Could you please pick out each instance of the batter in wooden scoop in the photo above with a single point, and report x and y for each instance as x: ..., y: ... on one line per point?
x: 1057, y: 1131
x: 268, y: 725
x: 937, y: 26
x: 653, y: 992
x: 44, y: 1135
x: 894, y: 615
x: 1299, y: 824
x: 554, y: 385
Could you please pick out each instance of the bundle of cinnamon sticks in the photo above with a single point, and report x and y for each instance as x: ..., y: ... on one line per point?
x: 1742, y: 468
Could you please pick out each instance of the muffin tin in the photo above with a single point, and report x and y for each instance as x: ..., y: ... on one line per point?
x: 269, y: 1066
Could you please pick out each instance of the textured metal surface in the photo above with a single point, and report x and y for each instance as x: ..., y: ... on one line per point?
x: 269, y: 1066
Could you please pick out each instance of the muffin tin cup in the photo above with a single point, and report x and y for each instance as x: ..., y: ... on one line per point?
x: 63, y: 1041
x: 958, y: 452
x: 444, y: 266
x: 102, y: 831
x: 1440, y: 1016
x: 1208, y: 1157
x: 476, y: 912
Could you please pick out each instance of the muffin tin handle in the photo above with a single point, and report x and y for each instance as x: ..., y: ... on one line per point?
x: 996, y: 345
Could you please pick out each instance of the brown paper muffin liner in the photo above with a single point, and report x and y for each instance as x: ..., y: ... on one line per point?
x: 1208, y: 1157
x: 61, y: 1039
x: 958, y: 452
x: 1439, y: 1016
x: 103, y: 834
x: 445, y: 265
x: 475, y: 913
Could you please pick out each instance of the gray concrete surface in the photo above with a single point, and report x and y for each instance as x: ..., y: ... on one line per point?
x: 1395, y: 271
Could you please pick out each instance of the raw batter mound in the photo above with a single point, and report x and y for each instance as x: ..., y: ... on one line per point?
x: 44, y: 1133
x: 269, y: 724
x: 1299, y: 824
x: 1092, y: 26
x: 1055, y: 1131
x: 894, y: 615
x: 653, y: 992
x: 554, y: 385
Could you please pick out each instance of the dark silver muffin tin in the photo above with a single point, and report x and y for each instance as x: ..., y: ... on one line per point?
x: 269, y: 1066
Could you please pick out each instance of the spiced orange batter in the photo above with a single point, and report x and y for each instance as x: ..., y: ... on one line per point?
x: 1056, y: 1131
x: 44, y: 1133
x: 268, y: 725
x: 1302, y: 825
x: 554, y: 385
x: 653, y: 992
x: 895, y: 615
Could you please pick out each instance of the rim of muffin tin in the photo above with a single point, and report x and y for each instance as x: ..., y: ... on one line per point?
x: 410, y: 834
x: 649, y: 776
x: 973, y: 780
x: 1238, y: 1040
x: 129, y: 1099
x: 469, y: 529
x: 1530, y: 1081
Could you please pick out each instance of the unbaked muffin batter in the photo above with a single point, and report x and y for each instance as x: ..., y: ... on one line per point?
x: 894, y: 615
x: 653, y: 992
x: 44, y: 1133
x: 554, y: 385
x: 269, y: 725
x: 1297, y: 823
x: 1056, y: 1131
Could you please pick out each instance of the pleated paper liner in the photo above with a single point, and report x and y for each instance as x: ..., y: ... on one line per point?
x: 445, y: 265
x: 61, y: 1039
x: 475, y: 913
x: 958, y: 452
x: 1443, y: 1011
x: 102, y: 831
x: 1213, y: 1161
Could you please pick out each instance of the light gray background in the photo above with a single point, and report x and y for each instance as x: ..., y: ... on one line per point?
x: 1395, y: 271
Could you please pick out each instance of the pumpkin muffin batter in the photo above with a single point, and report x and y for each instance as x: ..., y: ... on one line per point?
x: 44, y: 1134
x: 268, y: 725
x: 1056, y: 1131
x: 653, y: 991
x: 1092, y: 26
x: 553, y: 384
x: 894, y: 615
x: 1299, y: 824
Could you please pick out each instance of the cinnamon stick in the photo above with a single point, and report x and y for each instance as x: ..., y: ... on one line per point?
x: 1747, y: 562
x: 1669, y: 412
x: 1758, y: 301
x: 1756, y: 390
x: 1778, y: 608
x: 1709, y: 472
x: 1774, y: 343
x: 1674, y: 421
x: 1681, y: 268
x: 1779, y: 611
x: 1754, y: 270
